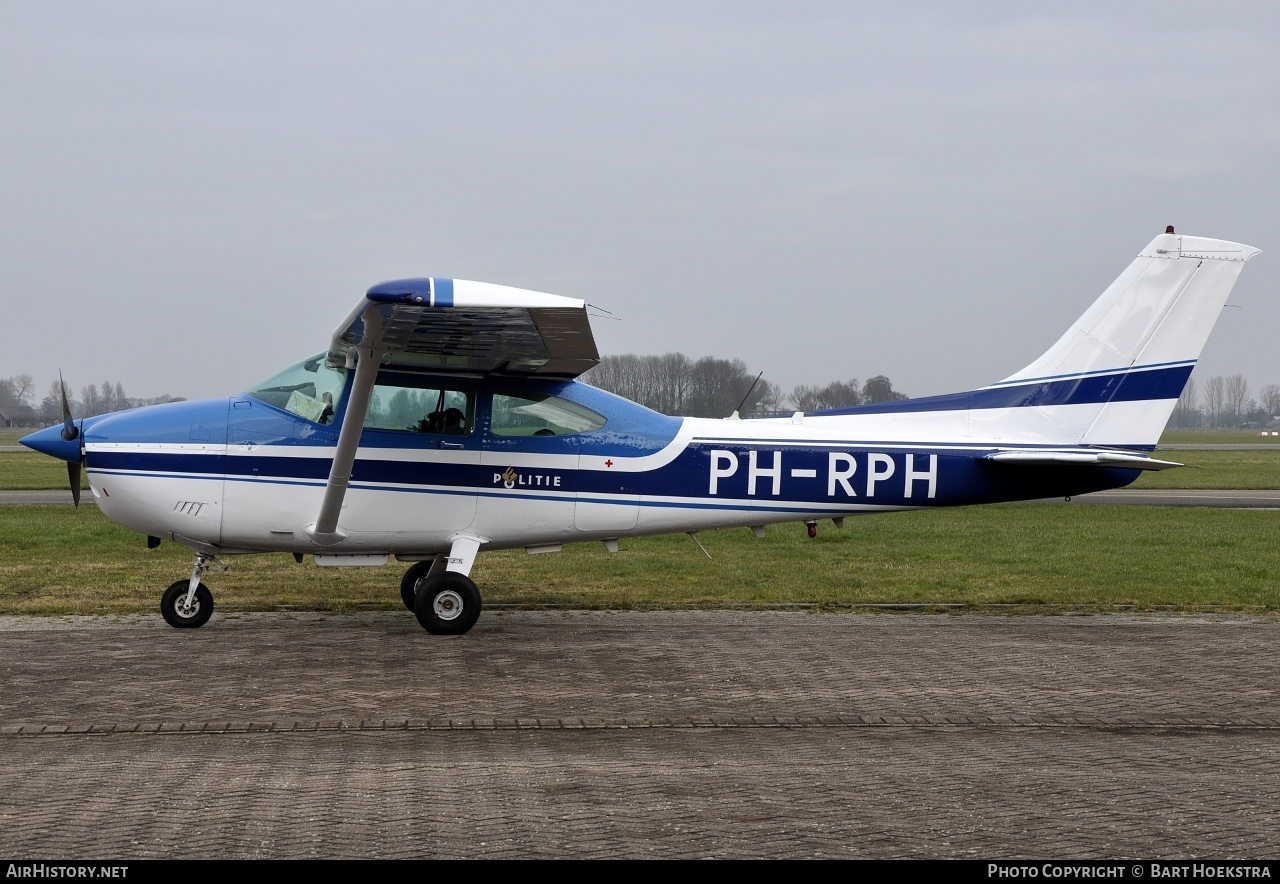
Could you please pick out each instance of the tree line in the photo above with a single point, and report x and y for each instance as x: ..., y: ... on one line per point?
x: 710, y: 387
x: 19, y: 390
x: 1225, y: 402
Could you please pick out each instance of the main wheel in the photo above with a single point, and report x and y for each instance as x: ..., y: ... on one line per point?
x: 447, y: 604
x: 409, y: 582
x: 173, y: 605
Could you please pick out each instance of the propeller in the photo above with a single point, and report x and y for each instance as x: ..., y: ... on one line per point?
x: 70, y: 432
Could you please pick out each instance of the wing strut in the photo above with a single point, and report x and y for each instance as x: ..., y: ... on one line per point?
x: 324, y: 530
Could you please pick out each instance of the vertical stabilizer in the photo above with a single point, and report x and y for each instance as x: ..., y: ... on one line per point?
x: 1113, y: 379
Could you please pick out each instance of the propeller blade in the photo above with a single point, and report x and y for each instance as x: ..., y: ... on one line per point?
x: 73, y: 476
x: 69, y: 431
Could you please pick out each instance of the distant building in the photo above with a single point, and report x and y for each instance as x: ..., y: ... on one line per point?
x: 19, y: 416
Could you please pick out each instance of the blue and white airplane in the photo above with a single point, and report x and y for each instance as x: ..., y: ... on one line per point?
x: 445, y: 419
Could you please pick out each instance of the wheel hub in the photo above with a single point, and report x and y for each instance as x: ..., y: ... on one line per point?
x: 447, y: 605
x: 183, y: 609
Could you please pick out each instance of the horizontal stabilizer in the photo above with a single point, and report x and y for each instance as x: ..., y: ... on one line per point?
x: 1082, y: 458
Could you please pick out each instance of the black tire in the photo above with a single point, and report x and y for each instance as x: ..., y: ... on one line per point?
x: 175, y: 595
x: 409, y: 583
x: 447, y: 604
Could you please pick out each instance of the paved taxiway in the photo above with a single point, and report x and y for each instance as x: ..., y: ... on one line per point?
x: 623, y: 734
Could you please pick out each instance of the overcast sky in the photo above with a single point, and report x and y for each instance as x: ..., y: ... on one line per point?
x: 194, y: 195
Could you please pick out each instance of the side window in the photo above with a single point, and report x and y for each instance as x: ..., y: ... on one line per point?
x: 444, y: 410
x: 533, y: 414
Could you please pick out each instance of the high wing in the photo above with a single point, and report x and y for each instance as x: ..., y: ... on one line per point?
x: 446, y: 325
x: 456, y: 325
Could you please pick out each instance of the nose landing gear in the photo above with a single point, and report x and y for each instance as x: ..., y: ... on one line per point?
x: 188, y: 604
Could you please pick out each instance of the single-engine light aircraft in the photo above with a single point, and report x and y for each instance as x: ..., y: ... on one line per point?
x: 445, y: 418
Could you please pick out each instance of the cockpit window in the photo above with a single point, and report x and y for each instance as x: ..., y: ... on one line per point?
x: 309, y: 389
x: 533, y: 414
x: 449, y: 411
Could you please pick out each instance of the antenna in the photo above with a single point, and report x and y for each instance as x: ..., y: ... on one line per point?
x: 748, y: 393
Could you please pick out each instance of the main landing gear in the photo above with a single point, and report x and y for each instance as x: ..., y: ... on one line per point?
x: 445, y: 600
x: 447, y: 604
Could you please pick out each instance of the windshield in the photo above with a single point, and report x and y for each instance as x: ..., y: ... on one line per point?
x: 309, y: 389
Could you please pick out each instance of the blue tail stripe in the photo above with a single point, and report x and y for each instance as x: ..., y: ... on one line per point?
x: 1102, y: 371
x: 1130, y: 385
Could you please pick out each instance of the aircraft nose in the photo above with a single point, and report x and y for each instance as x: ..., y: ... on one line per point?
x: 49, y: 441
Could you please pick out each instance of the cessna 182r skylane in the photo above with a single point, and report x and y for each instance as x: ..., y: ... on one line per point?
x: 445, y: 420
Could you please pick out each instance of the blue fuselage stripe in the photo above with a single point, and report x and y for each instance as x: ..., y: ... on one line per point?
x: 721, y: 475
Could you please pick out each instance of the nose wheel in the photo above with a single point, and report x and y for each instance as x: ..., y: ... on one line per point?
x: 188, y: 604
x: 184, y: 610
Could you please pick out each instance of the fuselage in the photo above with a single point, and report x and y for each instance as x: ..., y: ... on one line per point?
x: 534, y: 463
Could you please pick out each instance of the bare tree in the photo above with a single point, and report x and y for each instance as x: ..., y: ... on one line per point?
x: 772, y: 399
x: 717, y: 386
x: 1269, y: 399
x: 1186, y: 413
x: 837, y: 394
x: 880, y: 389
x: 90, y: 401
x: 51, y: 404
x: 622, y: 374
x: 1237, y: 397
x: 671, y: 382
x: 107, y: 395
x: 1215, y: 400
x: 17, y: 390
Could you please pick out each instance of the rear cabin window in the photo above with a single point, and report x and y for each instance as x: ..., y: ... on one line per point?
x: 533, y: 414
x: 448, y: 411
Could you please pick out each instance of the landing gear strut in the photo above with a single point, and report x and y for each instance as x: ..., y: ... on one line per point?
x: 188, y: 604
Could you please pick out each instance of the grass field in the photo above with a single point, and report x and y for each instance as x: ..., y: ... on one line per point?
x: 54, y: 559
x: 1228, y: 470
